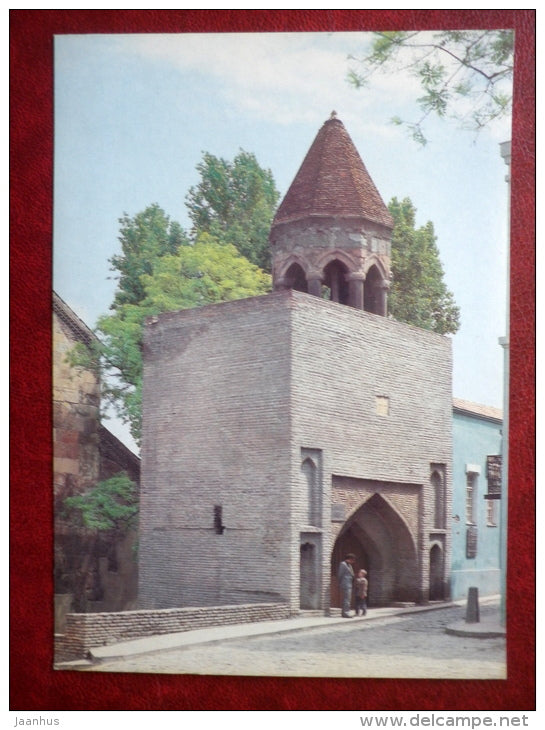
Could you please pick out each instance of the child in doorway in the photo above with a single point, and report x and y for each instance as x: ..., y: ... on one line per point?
x: 361, y: 593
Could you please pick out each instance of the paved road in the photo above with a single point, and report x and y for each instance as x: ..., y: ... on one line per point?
x: 414, y: 645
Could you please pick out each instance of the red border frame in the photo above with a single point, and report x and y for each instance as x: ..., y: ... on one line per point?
x: 34, y: 685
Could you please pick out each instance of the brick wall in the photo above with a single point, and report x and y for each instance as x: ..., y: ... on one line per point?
x: 342, y: 361
x: 85, y: 631
x: 236, y: 397
x: 216, y: 434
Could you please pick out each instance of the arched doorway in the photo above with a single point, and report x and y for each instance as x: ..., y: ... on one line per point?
x: 383, y: 545
x: 437, y: 592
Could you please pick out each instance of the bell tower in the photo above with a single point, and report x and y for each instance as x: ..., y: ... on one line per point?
x: 331, y: 233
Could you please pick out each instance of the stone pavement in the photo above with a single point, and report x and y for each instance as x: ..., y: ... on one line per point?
x: 305, y: 642
x: 487, y: 628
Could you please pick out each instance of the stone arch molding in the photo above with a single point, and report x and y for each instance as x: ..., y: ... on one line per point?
x: 360, y: 283
x: 350, y: 262
x: 371, y: 261
x: 316, y: 268
x: 376, y: 496
x: 288, y: 263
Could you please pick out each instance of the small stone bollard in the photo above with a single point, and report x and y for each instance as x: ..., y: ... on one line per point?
x: 472, y: 610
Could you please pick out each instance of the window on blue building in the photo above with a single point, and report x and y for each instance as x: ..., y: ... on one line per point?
x: 471, y: 497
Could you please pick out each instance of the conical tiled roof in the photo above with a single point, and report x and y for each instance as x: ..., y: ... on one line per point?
x: 333, y: 180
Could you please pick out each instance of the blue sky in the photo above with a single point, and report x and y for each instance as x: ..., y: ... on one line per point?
x: 134, y: 113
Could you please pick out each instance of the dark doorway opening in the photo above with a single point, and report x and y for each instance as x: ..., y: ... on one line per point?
x: 296, y: 279
x: 437, y: 591
x: 310, y: 572
x: 372, y: 294
x: 335, y: 280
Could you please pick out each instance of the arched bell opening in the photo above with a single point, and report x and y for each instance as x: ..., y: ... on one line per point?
x: 373, y: 297
x: 335, y: 281
x: 295, y: 278
x: 383, y: 545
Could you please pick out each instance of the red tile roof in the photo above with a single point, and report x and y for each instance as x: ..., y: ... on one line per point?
x: 333, y: 180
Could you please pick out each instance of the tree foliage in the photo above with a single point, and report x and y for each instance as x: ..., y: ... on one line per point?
x: 206, y: 272
x: 144, y: 238
x: 418, y: 294
x: 97, y: 520
x: 110, y: 506
x: 235, y: 202
x: 465, y: 75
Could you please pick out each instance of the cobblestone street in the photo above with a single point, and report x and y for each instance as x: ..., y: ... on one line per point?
x: 411, y: 646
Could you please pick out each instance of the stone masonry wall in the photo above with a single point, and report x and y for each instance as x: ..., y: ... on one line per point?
x: 85, y: 631
x: 312, y: 242
x: 215, y: 457
x: 76, y: 395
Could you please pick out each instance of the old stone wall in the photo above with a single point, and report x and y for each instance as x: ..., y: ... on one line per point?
x: 92, y: 574
x: 76, y: 460
x: 85, y: 631
x: 76, y: 397
x: 312, y: 243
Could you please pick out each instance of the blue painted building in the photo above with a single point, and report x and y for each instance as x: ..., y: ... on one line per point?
x: 477, y: 433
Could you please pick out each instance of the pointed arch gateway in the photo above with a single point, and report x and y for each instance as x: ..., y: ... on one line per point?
x: 380, y: 538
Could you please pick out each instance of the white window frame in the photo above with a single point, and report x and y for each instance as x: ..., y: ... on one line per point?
x: 472, y: 487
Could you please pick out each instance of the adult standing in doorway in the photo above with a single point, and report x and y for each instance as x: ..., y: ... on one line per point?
x: 345, y: 578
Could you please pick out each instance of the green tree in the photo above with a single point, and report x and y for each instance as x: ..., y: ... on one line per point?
x: 110, y: 506
x: 97, y: 521
x: 235, y: 202
x: 465, y: 74
x: 418, y: 294
x: 203, y: 273
x: 144, y: 238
